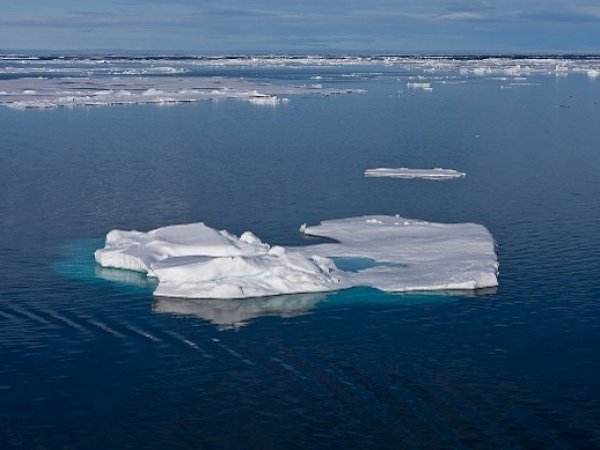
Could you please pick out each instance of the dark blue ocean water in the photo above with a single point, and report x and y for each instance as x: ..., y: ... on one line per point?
x: 89, y: 359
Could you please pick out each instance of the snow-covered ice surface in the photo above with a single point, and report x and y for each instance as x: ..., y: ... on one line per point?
x: 197, y: 261
x: 25, y: 93
x: 403, y: 172
x: 161, y: 65
x: 417, y: 85
x: 385, y: 252
x: 410, y: 255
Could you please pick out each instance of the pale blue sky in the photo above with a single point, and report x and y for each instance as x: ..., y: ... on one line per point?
x: 301, y: 26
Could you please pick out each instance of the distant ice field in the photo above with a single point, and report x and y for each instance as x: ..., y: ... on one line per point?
x: 23, y: 93
x: 49, y: 82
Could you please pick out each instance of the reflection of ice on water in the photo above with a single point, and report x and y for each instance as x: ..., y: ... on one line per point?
x: 233, y: 313
x: 481, y: 292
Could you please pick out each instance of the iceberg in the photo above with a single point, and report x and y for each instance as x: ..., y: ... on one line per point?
x: 196, y: 261
x: 384, y: 252
x: 403, y: 172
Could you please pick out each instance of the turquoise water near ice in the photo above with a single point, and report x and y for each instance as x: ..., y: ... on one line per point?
x: 89, y: 359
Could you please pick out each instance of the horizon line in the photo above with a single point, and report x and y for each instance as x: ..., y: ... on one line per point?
x: 112, y: 52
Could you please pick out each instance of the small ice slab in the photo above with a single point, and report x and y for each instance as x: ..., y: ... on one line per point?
x: 410, y: 255
x: 423, y: 86
x: 406, y: 173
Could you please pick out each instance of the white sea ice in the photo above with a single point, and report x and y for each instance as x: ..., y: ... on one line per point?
x: 23, y: 93
x: 138, y: 251
x: 406, y: 173
x: 59, y: 82
x: 263, y: 99
x: 196, y: 261
x: 482, y: 71
x: 273, y: 273
x: 418, y: 85
x: 169, y: 66
x: 410, y: 255
x: 385, y: 252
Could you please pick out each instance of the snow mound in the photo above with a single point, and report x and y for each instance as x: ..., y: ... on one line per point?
x: 403, y: 172
x: 197, y: 261
x: 385, y: 252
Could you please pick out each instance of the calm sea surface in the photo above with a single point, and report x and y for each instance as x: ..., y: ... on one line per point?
x: 89, y: 359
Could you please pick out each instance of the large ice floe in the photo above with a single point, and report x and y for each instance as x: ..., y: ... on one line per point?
x: 404, y: 172
x: 389, y: 253
x: 41, y: 93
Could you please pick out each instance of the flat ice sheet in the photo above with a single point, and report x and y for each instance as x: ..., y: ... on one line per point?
x: 406, y: 173
x: 385, y: 252
x: 410, y: 255
x: 23, y: 93
x: 417, y: 85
